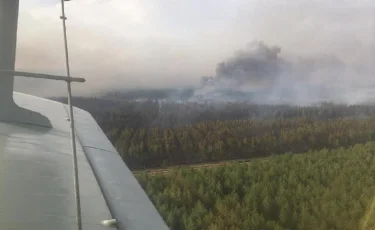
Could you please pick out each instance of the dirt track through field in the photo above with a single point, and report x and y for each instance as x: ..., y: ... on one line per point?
x: 194, y: 166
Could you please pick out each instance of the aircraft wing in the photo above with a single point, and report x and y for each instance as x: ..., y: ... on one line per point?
x: 36, y: 175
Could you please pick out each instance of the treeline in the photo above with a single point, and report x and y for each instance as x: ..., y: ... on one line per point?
x: 150, y: 114
x: 239, y: 139
x: 151, y: 133
x: 327, y: 189
x: 94, y: 105
x: 111, y: 113
x: 150, y: 94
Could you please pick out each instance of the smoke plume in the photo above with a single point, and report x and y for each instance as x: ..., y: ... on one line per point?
x: 259, y: 64
x: 313, y: 50
x: 260, y: 73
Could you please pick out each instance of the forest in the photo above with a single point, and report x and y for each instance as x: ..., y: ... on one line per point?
x: 152, y: 134
x: 239, y: 139
x: 306, y: 167
x: 326, y: 189
x: 110, y: 112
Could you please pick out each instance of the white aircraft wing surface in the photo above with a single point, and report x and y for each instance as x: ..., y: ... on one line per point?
x: 36, y: 175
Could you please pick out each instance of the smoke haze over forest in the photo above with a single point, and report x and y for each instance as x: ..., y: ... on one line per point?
x: 262, y: 74
x: 271, y: 51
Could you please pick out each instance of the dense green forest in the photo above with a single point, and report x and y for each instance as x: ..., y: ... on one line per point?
x: 111, y: 113
x: 151, y: 114
x: 312, y: 167
x: 150, y: 134
x: 226, y: 140
x: 327, y: 189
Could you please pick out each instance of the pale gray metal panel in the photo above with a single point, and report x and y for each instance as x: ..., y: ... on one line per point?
x: 36, y: 175
x: 126, y: 199
x: 8, y: 42
x: 90, y: 133
x: 55, y: 111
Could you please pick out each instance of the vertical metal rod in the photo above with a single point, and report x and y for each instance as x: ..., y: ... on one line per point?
x: 75, y: 165
x: 8, y: 44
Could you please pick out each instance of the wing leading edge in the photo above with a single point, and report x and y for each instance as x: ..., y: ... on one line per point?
x: 36, y: 175
x: 126, y: 199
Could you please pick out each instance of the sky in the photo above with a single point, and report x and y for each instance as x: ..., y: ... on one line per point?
x: 118, y: 44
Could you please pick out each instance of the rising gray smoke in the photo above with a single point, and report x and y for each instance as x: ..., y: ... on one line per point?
x: 259, y: 64
x: 261, y: 74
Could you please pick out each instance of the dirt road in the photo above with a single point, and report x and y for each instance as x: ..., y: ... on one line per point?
x: 194, y: 166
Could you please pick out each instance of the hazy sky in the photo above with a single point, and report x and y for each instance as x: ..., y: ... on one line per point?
x: 130, y: 43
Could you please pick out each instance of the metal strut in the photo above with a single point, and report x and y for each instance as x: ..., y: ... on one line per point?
x: 75, y: 166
